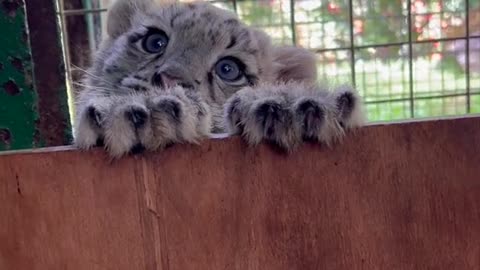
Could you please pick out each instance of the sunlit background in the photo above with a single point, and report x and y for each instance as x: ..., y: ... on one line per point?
x: 408, y: 59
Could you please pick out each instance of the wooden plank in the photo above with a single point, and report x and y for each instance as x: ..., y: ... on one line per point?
x: 68, y: 210
x: 403, y: 196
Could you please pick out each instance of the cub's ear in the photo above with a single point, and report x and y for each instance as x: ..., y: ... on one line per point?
x: 122, y: 12
x: 294, y: 64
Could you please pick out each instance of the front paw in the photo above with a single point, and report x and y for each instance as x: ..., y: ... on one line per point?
x: 128, y: 128
x: 178, y: 117
x: 168, y: 114
x: 273, y: 120
x: 121, y: 124
x: 268, y: 116
x: 88, y: 129
x: 288, y: 114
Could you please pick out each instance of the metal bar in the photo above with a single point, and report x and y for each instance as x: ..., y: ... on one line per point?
x: 417, y: 98
x: 410, y: 58
x: 425, y: 94
x: 364, y: 82
x: 352, y: 43
x: 235, y: 6
x: 53, y: 124
x: 89, y: 20
x: 429, y: 13
x: 81, y: 11
x: 443, y: 52
x: 324, y: 73
x: 390, y: 77
x: 66, y: 48
x: 401, y: 43
x: 219, y: 1
x: 323, y: 23
x: 292, y: 22
x: 404, y: 83
x: 467, y: 54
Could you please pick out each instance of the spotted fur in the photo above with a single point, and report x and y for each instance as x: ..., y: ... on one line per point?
x: 133, y: 99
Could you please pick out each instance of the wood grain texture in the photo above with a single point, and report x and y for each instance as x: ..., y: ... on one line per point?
x: 403, y: 196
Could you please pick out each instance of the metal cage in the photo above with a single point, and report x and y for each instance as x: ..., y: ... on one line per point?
x: 409, y: 59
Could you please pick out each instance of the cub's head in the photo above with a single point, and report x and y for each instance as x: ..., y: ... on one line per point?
x: 195, y: 45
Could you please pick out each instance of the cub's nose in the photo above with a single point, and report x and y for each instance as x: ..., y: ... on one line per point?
x: 165, y: 80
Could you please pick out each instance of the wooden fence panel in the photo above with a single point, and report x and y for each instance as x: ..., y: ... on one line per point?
x: 402, y: 196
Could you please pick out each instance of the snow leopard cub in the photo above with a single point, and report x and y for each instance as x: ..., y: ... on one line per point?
x: 176, y: 72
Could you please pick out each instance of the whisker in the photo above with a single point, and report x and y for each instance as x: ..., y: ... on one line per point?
x: 93, y: 75
x: 93, y: 87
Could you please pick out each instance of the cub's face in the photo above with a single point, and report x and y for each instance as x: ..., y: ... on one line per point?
x: 195, y: 45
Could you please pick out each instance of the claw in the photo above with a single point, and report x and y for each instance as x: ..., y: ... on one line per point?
x: 138, y: 117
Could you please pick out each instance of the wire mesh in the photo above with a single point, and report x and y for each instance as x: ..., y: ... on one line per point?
x: 408, y: 58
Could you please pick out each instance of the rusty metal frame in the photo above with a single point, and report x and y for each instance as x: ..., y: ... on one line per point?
x: 53, y: 125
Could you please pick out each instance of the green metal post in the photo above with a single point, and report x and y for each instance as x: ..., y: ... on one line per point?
x: 18, y: 111
x: 33, y: 97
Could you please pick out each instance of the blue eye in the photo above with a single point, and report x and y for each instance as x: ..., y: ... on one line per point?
x: 155, y: 41
x: 229, y: 69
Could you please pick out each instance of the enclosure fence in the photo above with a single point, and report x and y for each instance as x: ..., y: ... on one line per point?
x: 408, y: 59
